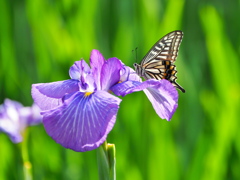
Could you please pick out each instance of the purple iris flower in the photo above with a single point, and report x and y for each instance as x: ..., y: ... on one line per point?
x: 14, y: 118
x: 78, y: 113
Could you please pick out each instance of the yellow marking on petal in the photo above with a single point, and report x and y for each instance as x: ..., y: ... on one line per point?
x: 87, y: 94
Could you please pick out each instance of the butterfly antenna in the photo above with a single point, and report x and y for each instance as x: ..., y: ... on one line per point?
x: 135, y: 50
x: 136, y: 54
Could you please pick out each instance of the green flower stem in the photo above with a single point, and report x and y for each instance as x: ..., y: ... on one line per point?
x: 106, y: 161
x: 27, y: 166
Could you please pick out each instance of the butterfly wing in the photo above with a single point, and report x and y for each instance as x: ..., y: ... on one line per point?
x: 158, y: 62
x: 164, y: 49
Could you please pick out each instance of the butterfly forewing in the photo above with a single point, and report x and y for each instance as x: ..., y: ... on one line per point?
x: 165, y: 49
x: 158, y: 62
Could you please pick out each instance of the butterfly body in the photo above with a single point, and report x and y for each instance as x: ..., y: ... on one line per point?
x: 158, y: 63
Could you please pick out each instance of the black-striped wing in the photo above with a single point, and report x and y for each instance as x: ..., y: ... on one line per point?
x: 165, y: 49
x: 158, y: 62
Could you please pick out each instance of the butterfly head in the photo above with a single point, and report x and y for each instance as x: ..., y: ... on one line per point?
x: 138, y: 69
x: 135, y: 65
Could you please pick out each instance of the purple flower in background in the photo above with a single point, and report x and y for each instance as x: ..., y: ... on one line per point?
x: 14, y: 118
x: 78, y: 113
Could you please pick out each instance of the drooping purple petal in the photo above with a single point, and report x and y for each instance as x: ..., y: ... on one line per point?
x: 96, y: 62
x: 82, y: 122
x: 124, y: 88
x: 48, y: 95
x: 164, y: 98
x: 129, y: 80
x: 128, y: 87
x: 110, y: 74
x: 78, y: 69
x: 162, y: 94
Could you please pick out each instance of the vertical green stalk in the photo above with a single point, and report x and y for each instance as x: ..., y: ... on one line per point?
x: 27, y: 166
x: 106, y: 161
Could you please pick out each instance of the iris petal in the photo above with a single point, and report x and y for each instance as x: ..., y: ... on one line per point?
x: 162, y: 94
x: 133, y: 76
x: 78, y: 69
x: 164, y: 99
x: 96, y: 62
x: 82, y: 122
x: 125, y: 87
x: 48, y: 95
x: 110, y: 73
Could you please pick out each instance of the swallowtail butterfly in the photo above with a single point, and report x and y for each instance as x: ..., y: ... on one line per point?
x: 158, y: 63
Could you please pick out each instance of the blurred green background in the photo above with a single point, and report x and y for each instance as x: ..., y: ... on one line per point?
x: 41, y: 39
